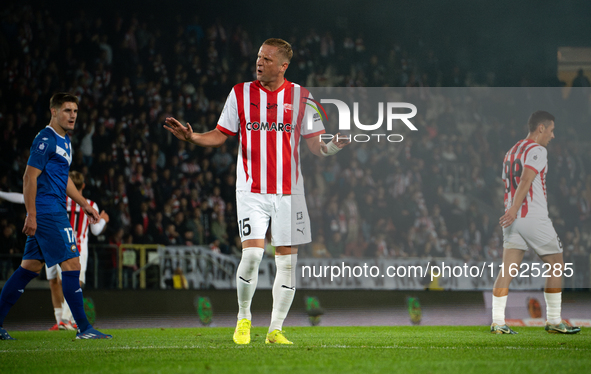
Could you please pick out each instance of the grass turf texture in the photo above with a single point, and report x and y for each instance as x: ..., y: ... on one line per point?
x: 419, y: 349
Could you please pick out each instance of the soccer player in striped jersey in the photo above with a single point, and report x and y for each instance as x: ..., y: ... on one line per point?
x: 50, y: 236
x: 269, y: 115
x: 526, y: 224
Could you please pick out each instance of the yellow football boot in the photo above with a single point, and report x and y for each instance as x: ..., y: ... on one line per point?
x: 242, y: 332
x: 276, y: 337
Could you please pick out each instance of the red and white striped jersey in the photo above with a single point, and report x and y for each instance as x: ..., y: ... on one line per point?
x: 79, y: 222
x: 527, y: 154
x: 270, y: 125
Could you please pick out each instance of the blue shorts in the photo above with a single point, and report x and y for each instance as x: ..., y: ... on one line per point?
x: 54, y: 241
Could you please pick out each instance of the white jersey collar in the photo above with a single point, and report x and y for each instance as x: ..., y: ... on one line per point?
x: 52, y: 129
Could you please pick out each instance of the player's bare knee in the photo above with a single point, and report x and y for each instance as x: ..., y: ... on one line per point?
x: 512, y: 254
x: 249, y: 243
x: 553, y: 259
x: 285, y: 250
x: 72, y: 264
x: 32, y: 265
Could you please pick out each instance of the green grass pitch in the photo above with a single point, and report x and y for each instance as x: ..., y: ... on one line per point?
x: 405, y: 349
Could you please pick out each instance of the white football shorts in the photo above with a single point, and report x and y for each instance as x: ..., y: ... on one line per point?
x: 287, y: 214
x: 535, y: 233
x: 55, y: 271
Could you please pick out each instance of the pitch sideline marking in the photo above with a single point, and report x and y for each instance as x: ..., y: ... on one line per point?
x: 321, y: 346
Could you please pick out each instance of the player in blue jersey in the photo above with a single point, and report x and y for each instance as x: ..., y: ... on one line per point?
x: 50, y: 236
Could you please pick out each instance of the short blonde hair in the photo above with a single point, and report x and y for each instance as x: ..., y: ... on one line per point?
x: 283, y: 47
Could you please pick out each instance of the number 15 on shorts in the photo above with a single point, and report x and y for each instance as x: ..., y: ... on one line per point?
x: 244, y: 227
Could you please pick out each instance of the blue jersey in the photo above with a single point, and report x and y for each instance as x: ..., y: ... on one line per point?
x: 52, y: 154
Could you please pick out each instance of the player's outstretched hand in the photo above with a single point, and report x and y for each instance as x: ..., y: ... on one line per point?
x: 104, y: 216
x: 341, y: 141
x: 30, y: 226
x: 508, y: 218
x: 178, y: 130
x: 93, y: 216
x: 338, y: 140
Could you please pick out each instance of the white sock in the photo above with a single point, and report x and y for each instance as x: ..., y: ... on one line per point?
x: 553, y: 306
x: 58, y: 315
x: 66, y: 313
x: 498, y: 309
x: 283, y: 289
x: 247, y: 276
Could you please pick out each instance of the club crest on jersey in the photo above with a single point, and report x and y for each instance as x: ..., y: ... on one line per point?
x: 73, y: 248
x: 41, y: 148
x: 265, y: 126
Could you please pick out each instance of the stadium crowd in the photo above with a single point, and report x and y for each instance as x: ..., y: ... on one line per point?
x: 437, y: 194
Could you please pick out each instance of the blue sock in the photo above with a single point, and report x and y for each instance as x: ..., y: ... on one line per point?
x: 13, y: 289
x: 73, y: 295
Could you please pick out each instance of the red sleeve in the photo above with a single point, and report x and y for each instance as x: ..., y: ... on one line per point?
x: 226, y: 131
x: 307, y: 136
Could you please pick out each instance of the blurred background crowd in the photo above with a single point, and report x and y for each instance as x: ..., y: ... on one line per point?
x: 436, y: 194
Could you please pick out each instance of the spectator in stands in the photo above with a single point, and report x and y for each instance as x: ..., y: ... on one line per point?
x: 139, y: 236
x: 336, y: 247
x: 581, y: 80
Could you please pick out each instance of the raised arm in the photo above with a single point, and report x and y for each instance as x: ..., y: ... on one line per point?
x: 214, y: 138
